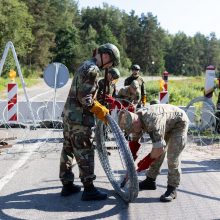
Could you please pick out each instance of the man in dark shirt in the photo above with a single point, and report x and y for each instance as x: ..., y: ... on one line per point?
x: 136, y: 76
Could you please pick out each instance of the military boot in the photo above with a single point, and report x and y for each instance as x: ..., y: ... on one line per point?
x: 148, y: 184
x: 169, y: 195
x: 69, y: 189
x: 91, y: 193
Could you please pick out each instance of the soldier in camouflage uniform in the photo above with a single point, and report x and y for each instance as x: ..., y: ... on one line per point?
x: 136, y: 76
x: 167, y: 126
x: 79, y: 113
x: 112, y: 77
x: 129, y: 97
x: 131, y: 93
x: 110, y: 90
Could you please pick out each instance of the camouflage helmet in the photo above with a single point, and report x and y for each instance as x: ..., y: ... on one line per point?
x: 126, y: 119
x: 135, y: 67
x: 112, y: 50
x: 114, y: 72
x: 135, y: 84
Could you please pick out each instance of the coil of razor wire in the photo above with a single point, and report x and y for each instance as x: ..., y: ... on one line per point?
x: 131, y: 192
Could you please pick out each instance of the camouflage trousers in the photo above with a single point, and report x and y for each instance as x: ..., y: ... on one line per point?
x: 175, y: 143
x: 77, y: 148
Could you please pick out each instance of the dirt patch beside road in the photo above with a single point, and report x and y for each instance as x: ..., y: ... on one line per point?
x: 206, y: 152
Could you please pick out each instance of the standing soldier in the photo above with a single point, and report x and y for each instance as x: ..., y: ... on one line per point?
x: 79, y: 111
x: 110, y: 90
x: 112, y: 77
x: 135, y: 76
x: 167, y: 126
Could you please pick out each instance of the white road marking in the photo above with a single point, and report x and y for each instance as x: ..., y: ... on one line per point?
x: 13, y: 170
x: 38, y: 95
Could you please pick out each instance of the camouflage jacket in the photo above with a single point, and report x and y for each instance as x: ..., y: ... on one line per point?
x: 81, y: 95
x: 110, y: 89
x: 124, y: 93
x: 131, y: 78
x: 160, y: 119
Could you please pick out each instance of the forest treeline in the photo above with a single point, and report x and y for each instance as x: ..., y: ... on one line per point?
x: 45, y: 31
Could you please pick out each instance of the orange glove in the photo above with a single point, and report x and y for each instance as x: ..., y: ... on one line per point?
x: 144, y: 99
x: 100, y: 111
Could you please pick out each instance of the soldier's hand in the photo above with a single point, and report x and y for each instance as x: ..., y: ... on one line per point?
x: 109, y: 99
x: 113, y: 102
x: 100, y: 111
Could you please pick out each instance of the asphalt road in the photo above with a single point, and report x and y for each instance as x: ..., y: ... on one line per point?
x: 41, y: 91
x: 30, y: 187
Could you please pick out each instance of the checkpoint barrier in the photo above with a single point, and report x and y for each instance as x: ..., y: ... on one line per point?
x: 12, y: 73
x: 41, y: 110
x: 12, y: 97
x: 12, y: 102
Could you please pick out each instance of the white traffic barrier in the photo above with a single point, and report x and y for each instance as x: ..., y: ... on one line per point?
x: 42, y: 111
x: 8, y: 46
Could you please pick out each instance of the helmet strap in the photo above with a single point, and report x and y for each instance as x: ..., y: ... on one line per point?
x: 110, y: 61
x: 101, y: 60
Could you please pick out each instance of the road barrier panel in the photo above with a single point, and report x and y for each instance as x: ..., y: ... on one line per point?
x: 8, y: 46
x: 41, y: 110
x: 12, y: 102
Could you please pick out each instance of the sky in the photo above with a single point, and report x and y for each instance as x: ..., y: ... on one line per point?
x: 188, y: 16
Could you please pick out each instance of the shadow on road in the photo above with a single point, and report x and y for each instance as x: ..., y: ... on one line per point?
x: 211, y: 165
x: 45, y: 199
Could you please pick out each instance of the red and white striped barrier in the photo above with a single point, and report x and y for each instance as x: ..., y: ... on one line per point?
x: 164, y: 95
x: 12, y: 102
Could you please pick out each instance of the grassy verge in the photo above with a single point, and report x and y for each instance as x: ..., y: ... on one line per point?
x: 181, y: 92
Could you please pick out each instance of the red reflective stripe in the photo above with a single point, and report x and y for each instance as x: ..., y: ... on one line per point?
x: 12, y: 102
x: 163, y: 94
x: 13, y: 118
x: 14, y: 99
x: 12, y: 108
x: 11, y: 86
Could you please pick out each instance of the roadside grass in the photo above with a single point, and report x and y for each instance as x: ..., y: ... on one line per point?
x: 181, y: 92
